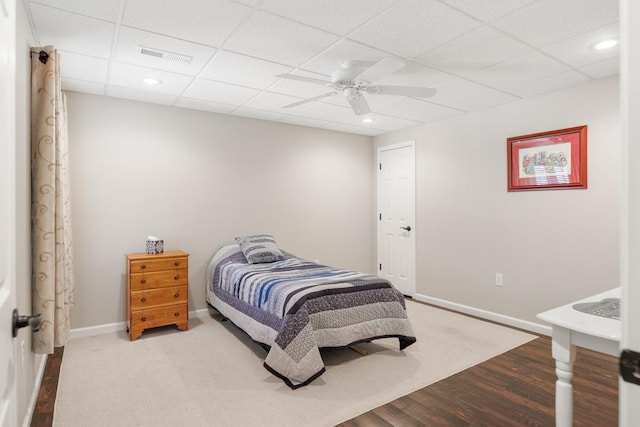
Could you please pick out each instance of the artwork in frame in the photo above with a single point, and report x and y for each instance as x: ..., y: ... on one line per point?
x: 548, y: 160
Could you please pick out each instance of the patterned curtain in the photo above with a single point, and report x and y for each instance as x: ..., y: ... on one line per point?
x: 52, y: 257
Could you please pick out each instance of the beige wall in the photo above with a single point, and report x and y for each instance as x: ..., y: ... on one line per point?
x: 552, y: 246
x: 199, y: 179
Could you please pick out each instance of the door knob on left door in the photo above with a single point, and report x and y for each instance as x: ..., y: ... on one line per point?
x: 21, y: 321
x: 407, y: 228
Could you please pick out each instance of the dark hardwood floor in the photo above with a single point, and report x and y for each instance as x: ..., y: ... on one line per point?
x: 516, y: 388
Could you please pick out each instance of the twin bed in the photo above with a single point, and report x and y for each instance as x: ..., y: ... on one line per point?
x: 294, y: 307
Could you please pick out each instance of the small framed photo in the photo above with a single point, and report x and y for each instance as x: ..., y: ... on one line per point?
x: 548, y: 160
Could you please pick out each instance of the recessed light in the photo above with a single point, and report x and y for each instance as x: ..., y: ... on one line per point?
x: 367, y: 120
x: 605, y: 44
x: 152, y: 81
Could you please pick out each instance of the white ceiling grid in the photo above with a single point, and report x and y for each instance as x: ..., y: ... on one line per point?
x: 476, y: 53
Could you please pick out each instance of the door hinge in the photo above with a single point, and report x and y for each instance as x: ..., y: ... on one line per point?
x: 380, y: 217
x: 380, y: 267
x: 630, y: 366
x: 380, y: 166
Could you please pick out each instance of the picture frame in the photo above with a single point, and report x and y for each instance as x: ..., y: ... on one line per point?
x: 549, y: 160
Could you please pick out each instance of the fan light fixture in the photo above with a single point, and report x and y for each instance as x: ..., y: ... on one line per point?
x: 605, y: 44
x: 151, y: 81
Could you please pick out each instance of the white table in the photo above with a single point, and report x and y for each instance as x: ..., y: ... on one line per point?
x: 574, y: 328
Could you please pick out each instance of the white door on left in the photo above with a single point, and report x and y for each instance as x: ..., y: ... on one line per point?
x: 8, y: 370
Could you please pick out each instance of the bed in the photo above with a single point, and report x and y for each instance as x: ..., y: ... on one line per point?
x: 294, y: 307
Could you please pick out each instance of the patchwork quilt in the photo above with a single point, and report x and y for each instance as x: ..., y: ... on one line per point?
x: 295, y: 307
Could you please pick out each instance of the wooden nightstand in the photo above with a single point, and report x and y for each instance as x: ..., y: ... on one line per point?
x: 157, y: 291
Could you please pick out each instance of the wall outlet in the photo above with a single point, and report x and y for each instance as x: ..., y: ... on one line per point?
x: 499, y: 279
x: 23, y: 353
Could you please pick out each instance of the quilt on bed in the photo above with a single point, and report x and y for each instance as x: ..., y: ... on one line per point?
x: 296, y: 307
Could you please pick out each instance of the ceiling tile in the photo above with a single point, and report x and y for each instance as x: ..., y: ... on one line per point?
x: 344, y: 51
x: 140, y: 95
x: 197, y: 104
x: 524, y: 68
x: 341, y: 127
x: 414, y: 74
x: 480, y: 48
x: 549, y: 84
x: 131, y: 40
x: 82, y: 86
x: 550, y: 21
x: 335, y: 16
x: 131, y: 76
x: 204, y: 21
x: 606, y: 68
x: 230, y: 67
x: 257, y: 114
x: 487, y: 10
x: 578, y: 51
x: 279, y: 40
x: 61, y: 29
x: 83, y: 67
x: 275, y: 102
x: 414, y: 26
x: 332, y: 113
x: 224, y: 93
x: 388, y: 123
x: 420, y: 111
x: 469, y: 96
x: 303, y: 121
x: 302, y: 89
x: 107, y: 10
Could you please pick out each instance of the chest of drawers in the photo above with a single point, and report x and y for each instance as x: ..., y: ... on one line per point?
x: 157, y: 291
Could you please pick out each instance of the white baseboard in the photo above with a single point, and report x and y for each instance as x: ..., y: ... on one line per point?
x: 488, y: 315
x: 121, y: 326
x: 28, y: 416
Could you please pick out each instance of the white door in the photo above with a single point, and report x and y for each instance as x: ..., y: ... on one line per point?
x: 8, y: 403
x: 396, y: 215
x: 630, y: 251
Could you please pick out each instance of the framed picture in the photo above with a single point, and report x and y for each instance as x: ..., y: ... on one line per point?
x: 548, y: 160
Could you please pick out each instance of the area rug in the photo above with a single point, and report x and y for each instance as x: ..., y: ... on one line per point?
x: 212, y: 375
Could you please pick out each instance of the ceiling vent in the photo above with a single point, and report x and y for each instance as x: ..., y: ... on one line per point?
x: 165, y: 56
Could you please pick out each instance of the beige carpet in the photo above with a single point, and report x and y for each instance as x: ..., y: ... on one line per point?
x: 212, y: 375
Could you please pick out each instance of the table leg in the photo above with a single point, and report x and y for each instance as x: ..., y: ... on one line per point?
x: 565, y: 354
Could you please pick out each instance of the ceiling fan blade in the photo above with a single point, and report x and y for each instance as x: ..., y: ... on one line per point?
x: 418, y: 92
x: 315, y: 98
x: 304, y: 79
x: 380, y: 69
x: 359, y: 105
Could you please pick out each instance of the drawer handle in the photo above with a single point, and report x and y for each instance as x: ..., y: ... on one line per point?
x: 143, y: 266
x: 143, y: 299
x: 177, y: 263
x: 177, y: 314
x: 176, y: 277
x: 176, y: 295
x: 144, y: 319
x: 143, y: 281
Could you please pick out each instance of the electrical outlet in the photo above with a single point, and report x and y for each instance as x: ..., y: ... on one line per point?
x: 499, y: 279
x: 23, y: 353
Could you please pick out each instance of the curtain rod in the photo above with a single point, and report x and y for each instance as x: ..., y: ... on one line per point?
x: 42, y: 56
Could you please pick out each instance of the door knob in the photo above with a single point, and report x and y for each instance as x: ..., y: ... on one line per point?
x: 407, y: 228
x: 21, y: 321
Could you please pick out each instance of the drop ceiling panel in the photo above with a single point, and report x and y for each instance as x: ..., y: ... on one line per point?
x: 107, y: 10
x: 413, y: 27
x: 549, y: 21
x: 83, y: 67
x: 258, y: 114
x: 549, y: 84
x: 208, y: 90
x: 334, y: 16
x: 204, y: 21
x: 131, y: 40
x: 83, y: 86
x: 345, y: 50
x: 230, y: 67
x: 197, y: 104
x: 598, y: 70
x: 303, y: 121
x: 488, y: 10
x: 419, y: 111
x: 62, y: 29
x: 469, y: 96
x: 578, y: 51
x: 131, y: 76
x: 480, y: 48
x: 140, y: 95
x: 302, y: 89
x: 275, y: 102
x: 279, y: 40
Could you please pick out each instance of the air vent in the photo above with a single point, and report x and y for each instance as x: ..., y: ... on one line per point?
x: 166, y: 56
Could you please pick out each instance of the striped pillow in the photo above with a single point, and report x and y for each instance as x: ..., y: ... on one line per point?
x: 260, y: 248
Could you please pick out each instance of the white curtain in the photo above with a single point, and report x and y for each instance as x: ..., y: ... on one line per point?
x: 52, y: 257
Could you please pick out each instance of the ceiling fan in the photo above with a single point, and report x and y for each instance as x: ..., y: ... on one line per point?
x: 354, y: 83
